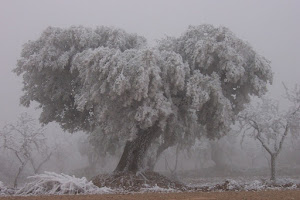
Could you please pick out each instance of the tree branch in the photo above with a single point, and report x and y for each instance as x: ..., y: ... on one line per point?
x: 282, y: 139
x: 264, y: 145
x: 43, y: 162
x: 255, y: 126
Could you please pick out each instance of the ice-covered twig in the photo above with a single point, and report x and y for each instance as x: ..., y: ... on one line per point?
x: 52, y: 183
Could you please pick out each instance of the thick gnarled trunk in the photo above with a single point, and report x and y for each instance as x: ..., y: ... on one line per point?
x: 132, y: 159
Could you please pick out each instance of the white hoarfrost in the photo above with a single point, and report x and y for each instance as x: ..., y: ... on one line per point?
x: 105, y: 78
x: 156, y: 188
x: 255, y: 185
x: 52, y: 183
x: 2, y: 188
x: 245, y: 184
x: 4, y: 191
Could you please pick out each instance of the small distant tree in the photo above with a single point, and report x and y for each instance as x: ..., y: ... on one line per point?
x: 27, y: 143
x: 173, y: 172
x: 265, y: 122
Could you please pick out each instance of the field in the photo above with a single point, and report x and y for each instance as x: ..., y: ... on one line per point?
x: 261, y: 195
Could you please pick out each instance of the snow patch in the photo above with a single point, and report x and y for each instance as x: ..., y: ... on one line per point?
x: 249, y: 185
x: 255, y: 185
x: 156, y: 188
x: 52, y: 183
x: 5, y: 190
x: 2, y: 188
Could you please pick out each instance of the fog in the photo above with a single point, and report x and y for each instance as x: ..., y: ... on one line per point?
x: 271, y: 27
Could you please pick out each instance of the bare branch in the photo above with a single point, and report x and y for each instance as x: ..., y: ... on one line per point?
x: 43, y: 162
x: 282, y: 139
x: 264, y: 145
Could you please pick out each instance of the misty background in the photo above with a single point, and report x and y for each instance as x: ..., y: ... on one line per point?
x: 271, y: 27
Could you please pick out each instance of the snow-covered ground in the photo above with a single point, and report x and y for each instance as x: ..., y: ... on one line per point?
x: 51, y: 183
x: 245, y: 183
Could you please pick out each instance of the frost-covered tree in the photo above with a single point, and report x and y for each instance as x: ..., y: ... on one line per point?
x: 27, y: 144
x: 104, y: 78
x: 270, y: 125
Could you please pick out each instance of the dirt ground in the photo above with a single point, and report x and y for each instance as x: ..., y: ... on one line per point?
x: 261, y: 195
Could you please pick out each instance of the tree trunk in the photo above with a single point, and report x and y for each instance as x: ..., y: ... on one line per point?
x: 18, y: 174
x: 218, y: 156
x: 273, y: 167
x: 132, y: 159
x: 160, y: 150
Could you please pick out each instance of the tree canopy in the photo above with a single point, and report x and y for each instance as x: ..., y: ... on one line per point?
x: 105, y: 78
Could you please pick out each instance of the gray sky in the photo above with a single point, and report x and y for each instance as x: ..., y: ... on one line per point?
x: 272, y: 27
